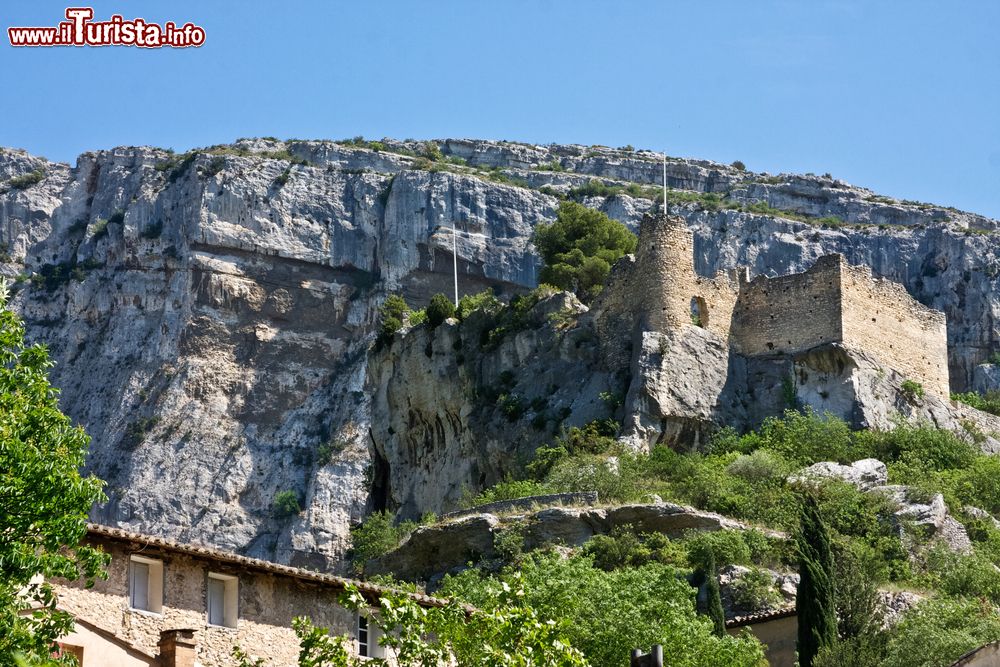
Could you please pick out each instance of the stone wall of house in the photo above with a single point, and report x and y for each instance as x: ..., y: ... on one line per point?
x: 789, y: 314
x: 267, y: 605
x: 880, y: 317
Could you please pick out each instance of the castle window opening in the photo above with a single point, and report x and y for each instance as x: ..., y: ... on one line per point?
x: 699, y: 312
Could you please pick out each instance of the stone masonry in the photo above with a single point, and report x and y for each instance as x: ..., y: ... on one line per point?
x: 831, y: 302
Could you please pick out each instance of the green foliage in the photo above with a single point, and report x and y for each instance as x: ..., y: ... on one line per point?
x: 100, y: 229
x: 392, y: 313
x: 378, y: 535
x: 283, y: 178
x: 738, y: 165
x: 715, y: 611
x: 484, y: 301
x: 45, y: 499
x: 439, y: 309
x: 215, y: 165
x: 508, y: 489
x: 801, y: 437
x: 755, y: 590
x: 25, y: 181
x: 53, y: 276
x: 624, y: 548
x: 509, y: 634
x: 286, y: 504
x: 136, y: 431
x: 431, y: 151
x: 815, y: 601
x: 934, y: 634
x: 988, y: 402
x: 579, y: 248
x: 912, y: 389
x: 721, y: 547
x: 608, y: 613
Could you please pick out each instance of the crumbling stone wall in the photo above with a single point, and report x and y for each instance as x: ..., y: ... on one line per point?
x: 670, y: 290
x: 880, y: 317
x: 831, y: 302
x: 790, y: 314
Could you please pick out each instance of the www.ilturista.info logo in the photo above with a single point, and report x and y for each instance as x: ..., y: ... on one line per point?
x: 80, y: 30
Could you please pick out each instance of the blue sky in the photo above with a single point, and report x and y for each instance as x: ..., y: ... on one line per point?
x: 902, y: 97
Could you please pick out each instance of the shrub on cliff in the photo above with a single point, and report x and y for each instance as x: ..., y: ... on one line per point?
x: 393, y: 311
x: 579, y: 248
x: 439, y: 309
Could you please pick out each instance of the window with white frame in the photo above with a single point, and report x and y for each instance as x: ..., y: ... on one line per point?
x: 221, y: 599
x: 145, y: 583
x: 368, y: 634
x: 363, y: 636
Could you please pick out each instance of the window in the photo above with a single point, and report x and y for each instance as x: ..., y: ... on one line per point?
x: 363, y: 636
x: 221, y: 599
x: 145, y: 583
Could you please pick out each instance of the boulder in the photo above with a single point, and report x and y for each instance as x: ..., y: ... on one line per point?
x: 864, y: 474
x: 930, y: 515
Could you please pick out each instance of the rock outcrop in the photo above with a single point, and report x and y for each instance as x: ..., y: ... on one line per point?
x: 210, y: 314
x: 448, y: 546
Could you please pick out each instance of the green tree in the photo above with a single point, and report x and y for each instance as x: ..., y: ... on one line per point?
x: 439, y: 309
x: 579, y: 248
x: 815, y: 602
x: 392, y: 312
x: 44, y: 498
x: 715, y: 611
x: 510, y: 635
x: 607, y: 614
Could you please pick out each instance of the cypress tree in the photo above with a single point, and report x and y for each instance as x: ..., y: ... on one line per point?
x: 815, y: 600
x: 715, y: 611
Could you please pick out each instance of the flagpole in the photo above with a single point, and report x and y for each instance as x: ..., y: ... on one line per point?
x: 664, y: 183
x: 454, y: 253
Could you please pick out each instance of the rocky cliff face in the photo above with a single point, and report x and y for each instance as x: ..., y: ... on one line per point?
x: 210, y: 314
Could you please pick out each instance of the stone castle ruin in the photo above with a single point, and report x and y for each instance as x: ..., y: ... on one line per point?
x: 814, y: 329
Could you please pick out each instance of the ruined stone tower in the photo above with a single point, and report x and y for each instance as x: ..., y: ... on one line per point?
x: 831, y: 303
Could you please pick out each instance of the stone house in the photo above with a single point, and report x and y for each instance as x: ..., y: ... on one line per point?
x: 777, y: 630
x: 170, y: 604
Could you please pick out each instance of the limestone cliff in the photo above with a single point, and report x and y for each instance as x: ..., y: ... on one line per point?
x: 210, y: 314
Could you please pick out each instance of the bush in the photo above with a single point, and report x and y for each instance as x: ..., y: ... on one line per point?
x: 439, y: 310
x: 431, y: 151
x: 624, y: 548
x: 912, y: 390
x: 988, y: 402
x: 378, y: 535
x: 286, y: 504
x: 800, y: 437
x: 755, y: 590
x: 392, y: 311
x: 100, y: 229
x: 608, y: 613
x: 939, y: 631
x: 579, y: 248
x: 738, y: 165
x: 25, y: 181
x: 509, y: 489
x: 727, y: 546
x: 484, y: 301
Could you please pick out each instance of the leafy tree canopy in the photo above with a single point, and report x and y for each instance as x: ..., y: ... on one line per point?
x: 44, y: 498
x: 579, y: 248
